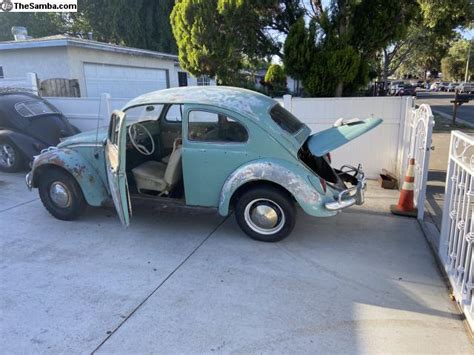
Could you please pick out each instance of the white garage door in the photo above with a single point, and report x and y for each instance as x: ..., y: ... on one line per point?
x: 122, y: 81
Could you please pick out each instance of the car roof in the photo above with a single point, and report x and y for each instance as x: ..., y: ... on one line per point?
x: 249, y: 102
x: 18, y: 96
x: 8, y: 101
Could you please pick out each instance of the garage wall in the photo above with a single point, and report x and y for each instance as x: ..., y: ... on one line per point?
x: 78, y: 57
x: 123, y: 81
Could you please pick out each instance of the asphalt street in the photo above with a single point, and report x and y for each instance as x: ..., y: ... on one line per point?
x: 441, y: 102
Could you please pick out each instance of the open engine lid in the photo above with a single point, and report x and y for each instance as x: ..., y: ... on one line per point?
x: 341, y: 133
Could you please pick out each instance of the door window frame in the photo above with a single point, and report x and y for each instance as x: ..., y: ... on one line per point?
x: 218, y: 111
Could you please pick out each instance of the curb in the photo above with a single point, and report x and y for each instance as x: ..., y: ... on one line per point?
x: 450, y: 117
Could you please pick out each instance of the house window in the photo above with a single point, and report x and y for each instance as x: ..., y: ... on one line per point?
x: 203, y: 80
x: 182, y: 78
x: 1, y: 72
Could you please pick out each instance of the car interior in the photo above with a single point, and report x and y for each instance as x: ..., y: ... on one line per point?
x: 154, y: 145
x: 153, y: 155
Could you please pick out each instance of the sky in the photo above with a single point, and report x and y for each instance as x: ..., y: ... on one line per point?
x: 468, y: 34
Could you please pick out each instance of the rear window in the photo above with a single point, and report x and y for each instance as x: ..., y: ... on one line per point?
x: 33, y: 108
x: 285, y: 119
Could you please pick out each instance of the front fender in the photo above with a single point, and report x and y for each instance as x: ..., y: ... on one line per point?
x: 93, y: 188
x: 23, y: 142
x: 292, y: 177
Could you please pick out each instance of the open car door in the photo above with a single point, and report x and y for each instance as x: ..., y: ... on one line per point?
x: 115, y: 160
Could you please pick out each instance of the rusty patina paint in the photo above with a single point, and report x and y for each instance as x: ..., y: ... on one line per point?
x: 292, y: 177
x: 94, y: 190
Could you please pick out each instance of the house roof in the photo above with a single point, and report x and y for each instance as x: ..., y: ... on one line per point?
x: 65, y: 41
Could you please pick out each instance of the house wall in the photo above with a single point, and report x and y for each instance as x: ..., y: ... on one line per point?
x: 77, y: 56
x: 68, y: 62
x: 47, y: 63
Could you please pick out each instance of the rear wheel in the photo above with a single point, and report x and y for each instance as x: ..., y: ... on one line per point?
x: 61, y: 194
x: 11, y: 159
x: 266, y: 213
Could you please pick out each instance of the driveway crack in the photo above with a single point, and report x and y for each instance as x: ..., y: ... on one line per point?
x: 159, y: 285
x: 19, y: 205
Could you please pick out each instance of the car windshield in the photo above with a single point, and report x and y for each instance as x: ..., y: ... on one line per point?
x: 285, y: 119
x: 34, y: 108
x: 144, y: 113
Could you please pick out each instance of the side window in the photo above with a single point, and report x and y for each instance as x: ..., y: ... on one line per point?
x: 204, y: 126
x: 144, y: 113
x: 174, y: 114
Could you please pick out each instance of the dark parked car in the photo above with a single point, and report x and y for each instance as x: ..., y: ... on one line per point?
x: 406, y: 90
x: 28, y: 124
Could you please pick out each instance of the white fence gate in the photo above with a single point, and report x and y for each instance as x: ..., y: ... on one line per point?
x: 457, y: 237
x: 418, y: 134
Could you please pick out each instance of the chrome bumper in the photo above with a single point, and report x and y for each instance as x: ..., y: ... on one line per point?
x: 28, y: 181
x: 352, y: 196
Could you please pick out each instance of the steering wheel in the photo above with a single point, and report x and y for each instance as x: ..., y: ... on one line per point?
x: 137, y: 132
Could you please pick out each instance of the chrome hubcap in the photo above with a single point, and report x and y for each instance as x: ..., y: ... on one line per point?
x: 60, y: 194
x: 264, y: 216
x: 7, y: 155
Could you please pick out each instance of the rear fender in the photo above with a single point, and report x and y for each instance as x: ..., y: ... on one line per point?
x: 23, y: 142
x: 93, y: 188
x: 291, y: 177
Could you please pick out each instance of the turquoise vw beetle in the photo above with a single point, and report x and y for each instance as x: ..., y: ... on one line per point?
x: 220, y: 147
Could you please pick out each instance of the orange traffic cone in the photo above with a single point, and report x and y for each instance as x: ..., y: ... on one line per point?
x: 405, y: 206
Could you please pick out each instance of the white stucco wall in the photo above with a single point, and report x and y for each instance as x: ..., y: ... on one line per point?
x: 68, y: 62
x: 47, y: 63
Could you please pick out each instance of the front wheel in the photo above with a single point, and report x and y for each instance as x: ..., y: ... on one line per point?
x: 266, y: 213
x: 61, y: 195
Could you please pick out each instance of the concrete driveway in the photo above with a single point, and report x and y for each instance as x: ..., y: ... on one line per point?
x: 190, y: 281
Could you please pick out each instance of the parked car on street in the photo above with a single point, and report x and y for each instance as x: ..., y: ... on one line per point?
x: 443, y: 86
x: 452, y: 87
x: 466, y: 88
x: 434, y: 86
x: 395, y: 86
x: 406, y: 90
x: 220, y: 147
x: 28, y: 124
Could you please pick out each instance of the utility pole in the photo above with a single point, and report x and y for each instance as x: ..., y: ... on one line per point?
x: 467, y: 62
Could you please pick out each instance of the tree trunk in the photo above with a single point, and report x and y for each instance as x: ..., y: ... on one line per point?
x: 386, y: 65
x: 339, y: 88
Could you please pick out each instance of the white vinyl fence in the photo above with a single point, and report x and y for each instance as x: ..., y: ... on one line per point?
x: 88, y: 113
x: 28, y: 83
x: 457, y: 230
x: 383, y: 147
